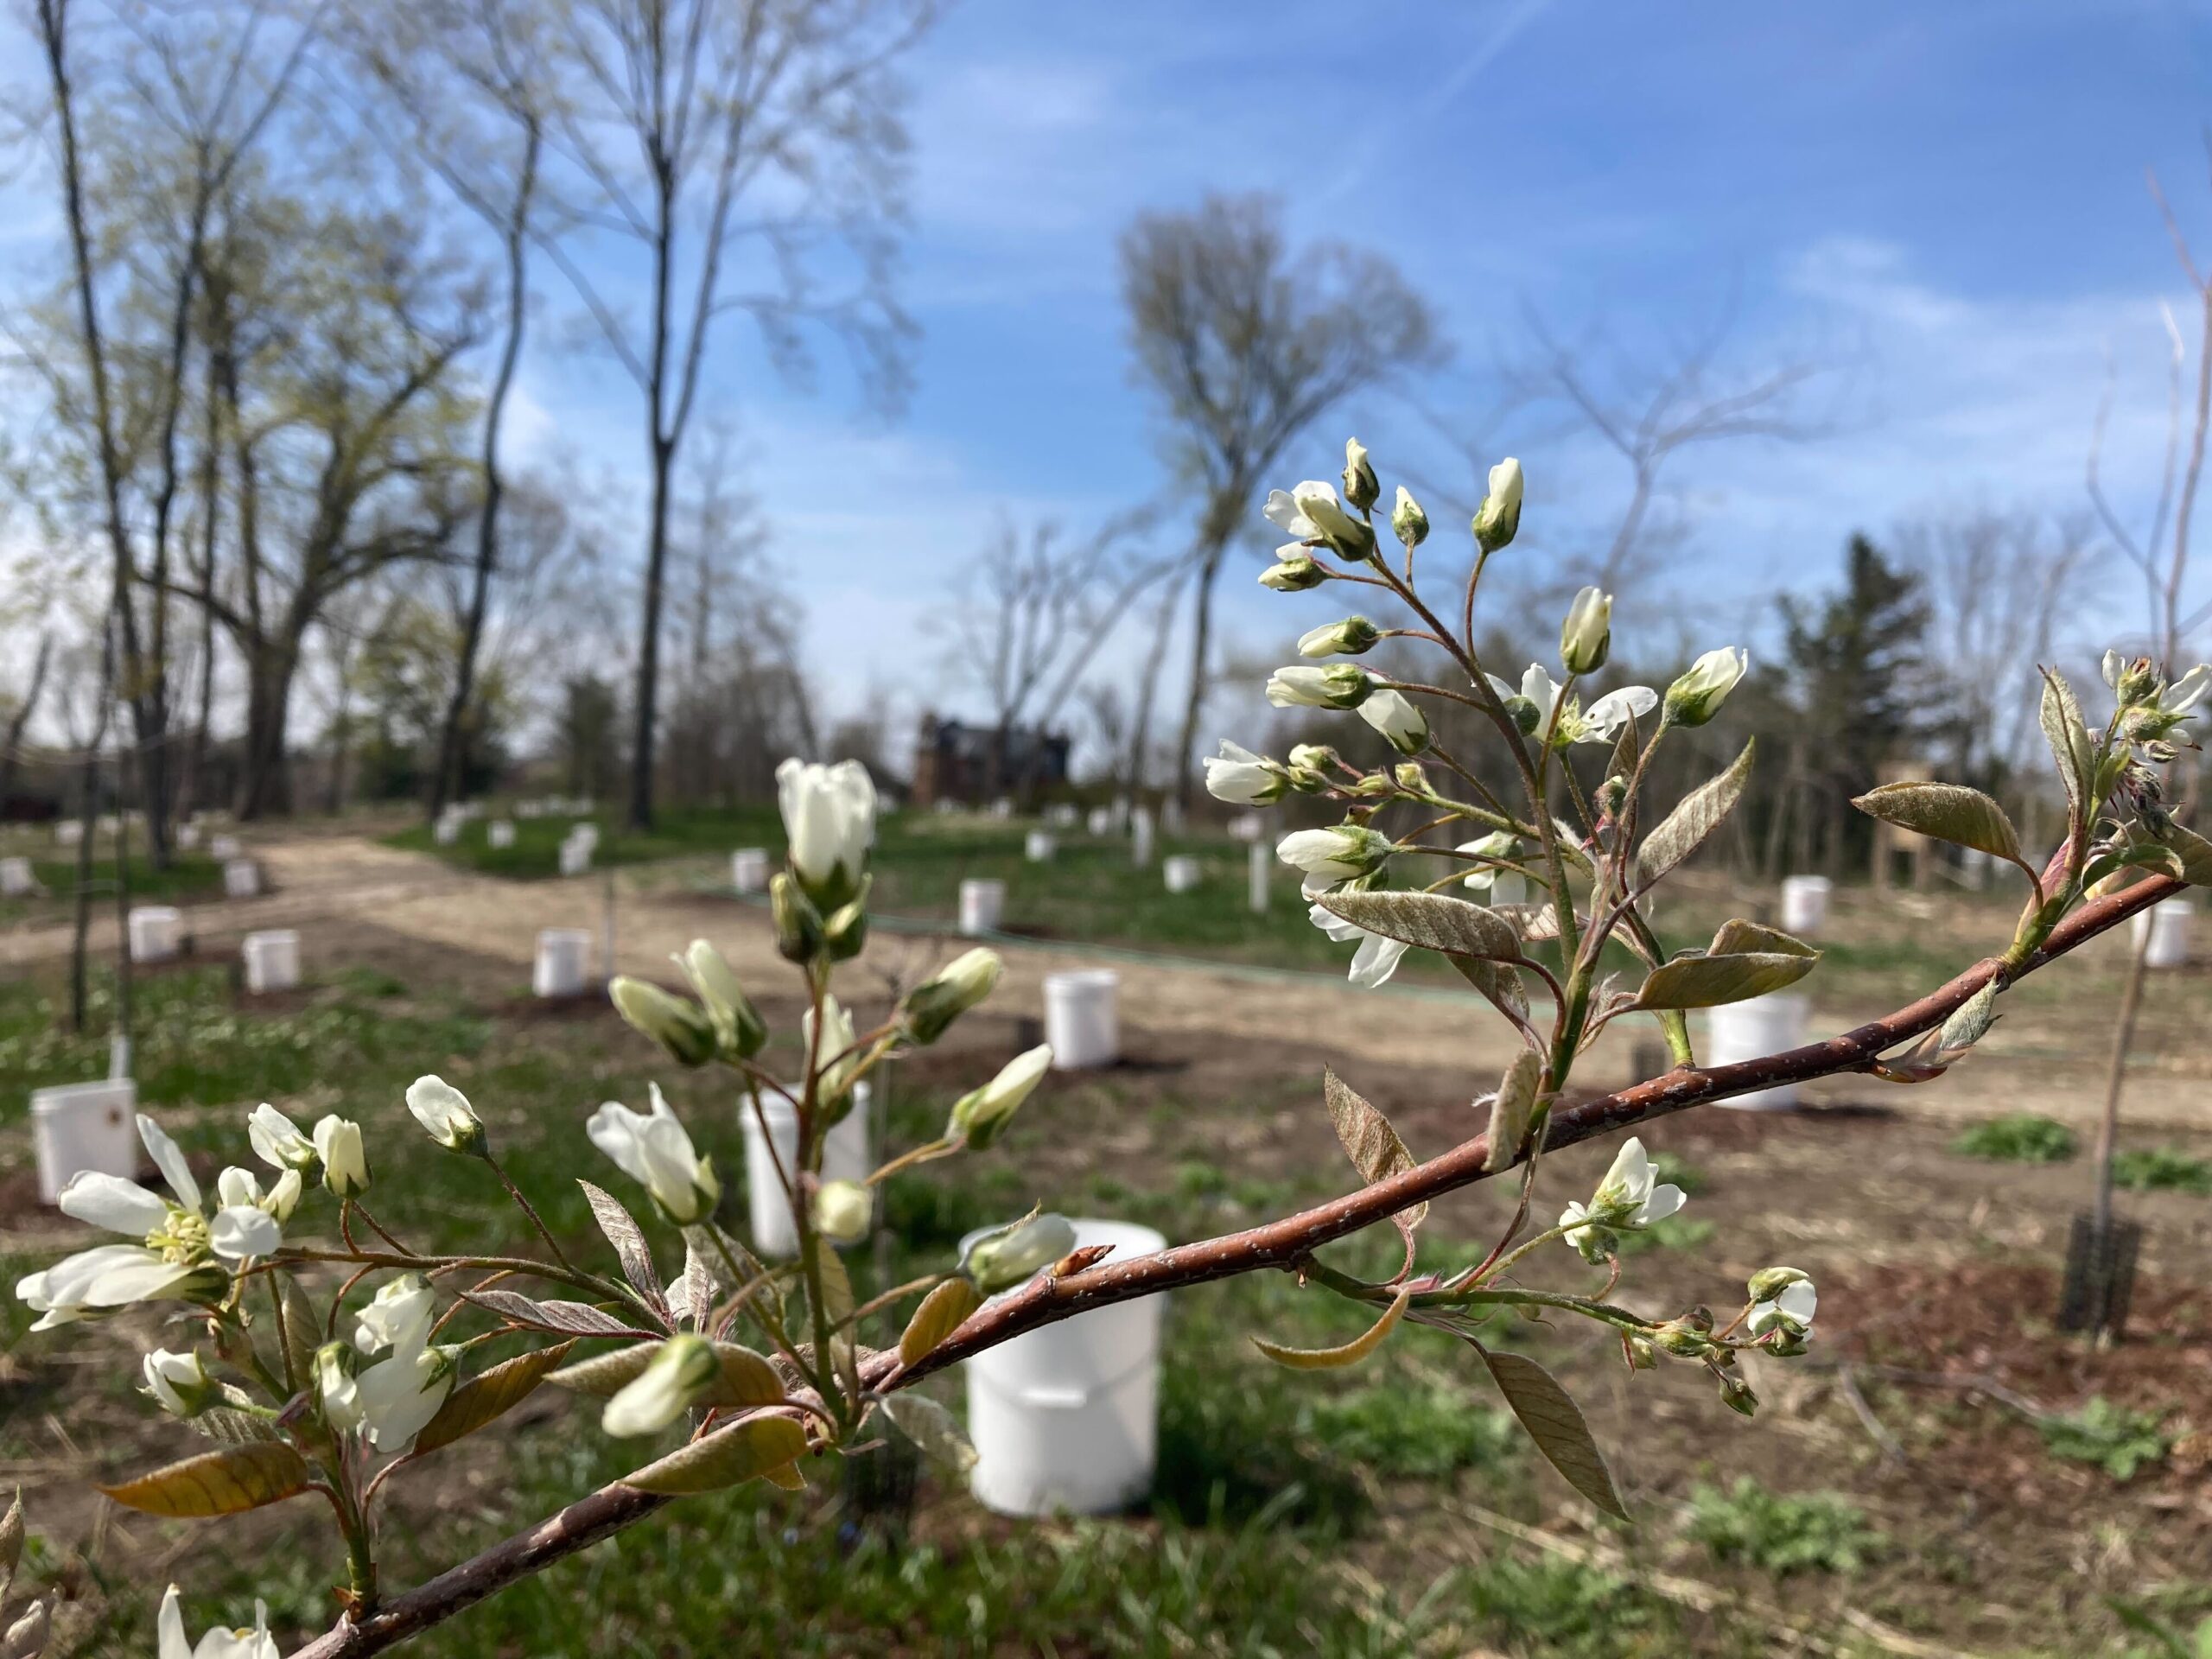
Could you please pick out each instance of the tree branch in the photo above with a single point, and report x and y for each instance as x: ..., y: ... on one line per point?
x: 1285, y: 1243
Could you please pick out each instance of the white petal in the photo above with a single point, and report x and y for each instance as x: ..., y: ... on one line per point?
x: 614, y: 1128
x: 169, y: 1158
x: 110, y: 1201
x: 1662, y: 1203
x: 1376, y: 961
x: 242, y: 1231
x: 168, y: 1629
x: 147, y: 1279
x: 1333, y: 925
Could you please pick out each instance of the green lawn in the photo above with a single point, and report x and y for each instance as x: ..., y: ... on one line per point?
x: 189, y: 875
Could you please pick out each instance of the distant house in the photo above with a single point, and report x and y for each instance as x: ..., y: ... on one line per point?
x: 955, y: 761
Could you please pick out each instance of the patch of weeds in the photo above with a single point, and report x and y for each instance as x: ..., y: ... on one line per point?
x: 1224, y: 1456
x: 1782, y: 1533
x: 1196, y: 1178
x: 2161, y: 1169
x: 2120, y: 1441
x: 2018, y: 1138
x: 923, y: 1211
x: 1423, y: 1431
x: 1565, y: 1609
x: 1674, y: 1233
x: 2168, y: 1640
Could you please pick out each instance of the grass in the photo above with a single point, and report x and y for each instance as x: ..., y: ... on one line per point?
x: 2161, y: 1169
x: 2018, y: 1138
x: 1782, y: 1533
x: 2120, y: 1441
x: 189, y: 875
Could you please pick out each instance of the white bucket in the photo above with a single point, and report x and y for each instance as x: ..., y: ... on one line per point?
x: 1141, y: 836
x: 585, y: 833
x: 16, y: 878
x: 242, y: 878
x: 272, y: 960
x: 1038, y: 846
x: 447, y: 830
x: 1751, y: 1030
x: 982, y: 902
x: 187, y: 835
x: 224, y: 848
x: 1805, y: 904
x: 80, y: 1126
x: 1061, y: 814
x: 1066, y: 1418
x: 1082, y: 1021
x: 1181, y: 872
x: 563, y: 965
x: 844, y: 1158
x: 1248, y: 826
x: 749, y: 869
x: 575, y: 856
x: 1002, y: 808
x: 156, y: 932
x: 1100, y: 821
x: 69, y: 832
x: 500, y: 833
x: 1259, y: 870
x: 2167, y: 922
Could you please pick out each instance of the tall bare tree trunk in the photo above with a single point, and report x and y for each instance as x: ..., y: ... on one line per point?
x: 446, y: 784
x: 11, y: 757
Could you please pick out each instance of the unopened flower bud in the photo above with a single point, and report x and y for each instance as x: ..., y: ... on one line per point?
x: 1340, y: 685
x: 739, y: 1029
x: 1697, y: 695
x: 444, y: 1112
x: 932, y: 1006
x: 1314, y: 756
x: 1293, y: 571
x: 1770, y: 1282
x: 798, y: 924
x: 845, y: 933
x: 1499, y: 517
x: 1586, y: 639
x: 1409, y: 777
x: 344, y: 1160
x: 842, y: 1210
x: 1394, y: 715
x: 1361, y: 488
x: 1680, y: 1339
x: 999, y: 1260
x: 1524, y: 715
x: 1346, y: 638
x: 679, y: 1373
x: 1641, y: 1356
x: 1613, y: 796
x: 179, y: 1382
x: 2137, y: 681
x: 1736, y: 1394
x: 1407, y: 521
x: 677, y: 1024
x: 980, y: 1114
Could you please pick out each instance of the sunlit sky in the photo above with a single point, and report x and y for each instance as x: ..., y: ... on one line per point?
x: 1942, y: 206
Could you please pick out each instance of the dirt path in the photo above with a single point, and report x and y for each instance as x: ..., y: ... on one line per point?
x: 322, y: 882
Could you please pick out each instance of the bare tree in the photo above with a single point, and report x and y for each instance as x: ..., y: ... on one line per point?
x: 1647, y: 413
x: 2000, y: 588
x: 1031, y: 615
x: 745, y: 145
x: 473, y: 81
x: 1244, y: 345
x: 176, y: 116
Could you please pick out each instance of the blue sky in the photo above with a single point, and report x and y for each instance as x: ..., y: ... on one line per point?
x: 1944, y: 204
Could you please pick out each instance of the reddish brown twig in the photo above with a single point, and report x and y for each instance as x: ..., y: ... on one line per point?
x: 1282, y: 1243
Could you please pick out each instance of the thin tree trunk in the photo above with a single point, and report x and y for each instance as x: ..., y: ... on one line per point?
x: 1219, y: 526
x: 120, y: 1031
x: 447, y: 781
x: 2130, y: 1004
x: 11, y: 758
x: 1140, y: 732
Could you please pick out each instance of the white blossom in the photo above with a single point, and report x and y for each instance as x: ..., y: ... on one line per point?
x: 836, y: 1055
x: 1791, y: 1308
x: 679, y: 1372
x: 444, y: 1111
x: 1696, y: 697
x: 400, y: 1395
x: 1311, y: 512
x: 241, y: 1189
x: 1243, y: 779
x: 979, y: 1115
x: 1337, y: 854
x: 171, y: 1642
x: 830, y: 817
x: 1500, y: 844
x: 1572, y: 723
x: 399, y: 1316
x: 842, y: 1210
x: 344, y: 1162
x: 277, y: 1140
x: 1627, y: 1200
x: 1339, y: 685
x: 1393, y: 714
x: 179, y: 1382
x: 1375, y: 960
x: 654, y: 1149
x: 1498, y: 519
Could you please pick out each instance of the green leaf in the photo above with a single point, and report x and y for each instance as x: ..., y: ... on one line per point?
x: 1434, y: 921
x: 2139, y: 856
x: 1951, y: 812
x: 491, y: 1393
x: 1970, y: 1022
x: 1708, y: 982
x: 1695, y: 817
x: 747, y: 1379
x: 603, y: 1375
x: 302, y: 1329
x: 1736, y: 936
x: 564, y: 1318
x: 1324, y: 1359
x: 2069, y: 737
x: 1555, y: 1423
x: 228, y: 1482
x: 1508, y: 1112
x: 1498, y: 981
x: 2195, y: 852
x: 740, y: 1452
x: 934, y: 1429
x: 1372, y: 1144
x: 942, y: 1313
